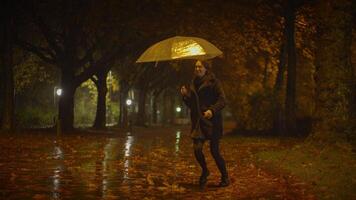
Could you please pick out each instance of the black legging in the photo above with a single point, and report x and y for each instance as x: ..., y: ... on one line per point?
x: 214, y: 149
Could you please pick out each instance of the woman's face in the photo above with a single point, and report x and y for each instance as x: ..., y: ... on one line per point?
x: 200, y: 70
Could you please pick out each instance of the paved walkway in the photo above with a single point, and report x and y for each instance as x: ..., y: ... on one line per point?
x: 152, y: 163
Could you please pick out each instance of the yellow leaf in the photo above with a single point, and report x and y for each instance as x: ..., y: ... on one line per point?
x: 150, y: 180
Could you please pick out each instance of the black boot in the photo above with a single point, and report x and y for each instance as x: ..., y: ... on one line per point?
x: 225, y: 181
x: 203, y: 178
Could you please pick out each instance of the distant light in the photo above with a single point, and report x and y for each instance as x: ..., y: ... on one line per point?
x: 109, y: 78
x: 178, y: 109
x: 59, y: 91
x: 128, y: 102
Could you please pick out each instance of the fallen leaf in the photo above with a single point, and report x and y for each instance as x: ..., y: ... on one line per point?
x: 150, y: 180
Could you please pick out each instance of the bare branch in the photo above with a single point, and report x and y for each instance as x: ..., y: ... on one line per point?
x: 41, y: 52
x: 87, y: 57
x: 103, y: 64
x: 48, y: 34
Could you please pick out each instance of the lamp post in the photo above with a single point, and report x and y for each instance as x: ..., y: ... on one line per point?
x: 57, y: 93
x: 178, y: 115
x: 109, y: 86
x: 129, y: 103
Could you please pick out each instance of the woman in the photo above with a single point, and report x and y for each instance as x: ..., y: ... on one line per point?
x: 205, y: 98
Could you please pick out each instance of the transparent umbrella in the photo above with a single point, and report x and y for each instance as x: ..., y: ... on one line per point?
x: 178, y: 48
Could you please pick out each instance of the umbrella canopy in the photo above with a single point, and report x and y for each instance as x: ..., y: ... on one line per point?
x: 179, y: 47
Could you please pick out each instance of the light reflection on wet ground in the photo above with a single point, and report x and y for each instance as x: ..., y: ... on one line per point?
x: 178, y: 132
x: 43, y: 166
x: 151, y: 163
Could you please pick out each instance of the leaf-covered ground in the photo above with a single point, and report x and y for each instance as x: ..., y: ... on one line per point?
x: 153, y: 163
x: 329, y: 168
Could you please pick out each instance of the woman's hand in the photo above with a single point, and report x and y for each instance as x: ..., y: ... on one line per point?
x: 208, y: 114
x: 184, y: 91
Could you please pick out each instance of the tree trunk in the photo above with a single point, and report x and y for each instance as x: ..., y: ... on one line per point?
x: 7, y: 62
x: 166, y: 108
x: 291, y: 70
x: 333, y: 76
x: 66, y: 101
x: 156, y: 98
x: 2, y: 88
x: 8, y: 111
x: 123, y: 116
x: 100, y: 118
x: 265, y: 72
x: 154, y: 109
x: 172, y: 108
x: 141, y: 115
x: 279, y: 114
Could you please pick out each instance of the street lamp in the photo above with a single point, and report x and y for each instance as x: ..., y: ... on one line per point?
x: 129, y: 102
x: 178, y: 114
x: 178, y: 109
x: 109, y: 80
x: 57, y: 93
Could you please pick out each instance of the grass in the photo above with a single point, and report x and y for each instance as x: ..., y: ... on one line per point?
x: 329, y: 170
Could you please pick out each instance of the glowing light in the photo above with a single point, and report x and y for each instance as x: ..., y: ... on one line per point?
x: 57, y: 151
x: 178, y: 109
x: 56, y: 183
x: 177, y: 141
x: 127, y: 154
x: 57, y: 171
x: 110, y: 154
x: 59, y: 91
x: 128, y: 102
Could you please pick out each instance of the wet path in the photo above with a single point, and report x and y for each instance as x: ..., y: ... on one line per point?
x: 81, y: 166
x: 152, y: 163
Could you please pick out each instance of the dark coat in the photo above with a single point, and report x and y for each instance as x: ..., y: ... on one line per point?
x: 209, y: 96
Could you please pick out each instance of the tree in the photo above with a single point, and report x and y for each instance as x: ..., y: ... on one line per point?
x: 279, y: 124
x: 34, y: 83
x: 7, y: 63
x: 334, y: 74
x: 290, y: 15
x: 101, y: 85
x: 151, y: 78
x: 102, y: 67
x: 128, y: 74
x: 139, y: 38
x: 71, y: 36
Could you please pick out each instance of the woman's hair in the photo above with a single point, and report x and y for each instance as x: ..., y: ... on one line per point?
x: 207, y: 64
